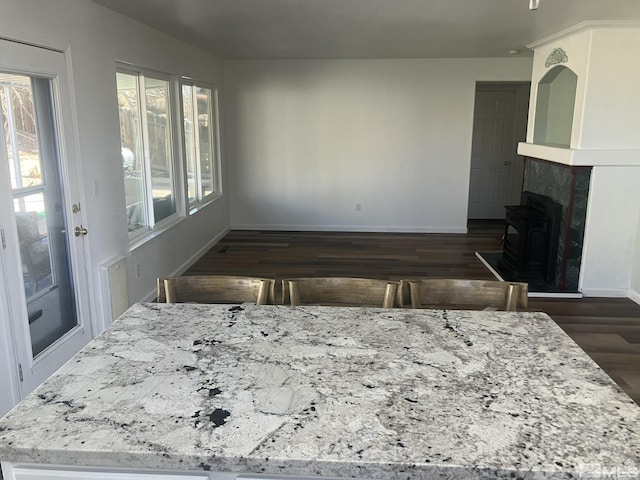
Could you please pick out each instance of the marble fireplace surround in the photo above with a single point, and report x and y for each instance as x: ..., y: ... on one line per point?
x: 568, y: 186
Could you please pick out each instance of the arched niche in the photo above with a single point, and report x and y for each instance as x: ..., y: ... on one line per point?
x: 554, y: 107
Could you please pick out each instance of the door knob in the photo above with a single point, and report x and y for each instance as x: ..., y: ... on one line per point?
x: 80, y: 231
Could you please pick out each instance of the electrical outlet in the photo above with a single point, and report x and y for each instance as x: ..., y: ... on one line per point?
x: 138, y: 270
x: 358, y: 207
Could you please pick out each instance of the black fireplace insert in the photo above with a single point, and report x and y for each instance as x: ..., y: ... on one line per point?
x: 531, y: 236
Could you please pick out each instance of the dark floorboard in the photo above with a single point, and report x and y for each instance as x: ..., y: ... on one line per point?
x: 608, y: 329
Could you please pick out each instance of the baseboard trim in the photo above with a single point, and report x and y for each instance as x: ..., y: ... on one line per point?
x: 349, y: 228
x: 554, y: 295
x: 635, y: 296
x: 605, y: 292
x: 196, y: 256
x: 190, y: 261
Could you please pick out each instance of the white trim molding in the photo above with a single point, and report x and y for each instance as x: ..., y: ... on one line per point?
x: 349, y: 228
x: 603, y: 292
x: 580, y: 27
x: 635, y: 296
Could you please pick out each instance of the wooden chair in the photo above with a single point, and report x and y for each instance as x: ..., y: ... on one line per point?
x: 467, y: 294
x: 215, y: 289
x: 341, y: 291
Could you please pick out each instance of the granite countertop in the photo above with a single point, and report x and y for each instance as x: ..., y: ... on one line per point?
x: 342, y: 392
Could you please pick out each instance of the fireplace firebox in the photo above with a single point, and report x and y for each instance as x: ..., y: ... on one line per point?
x: 531, y: 236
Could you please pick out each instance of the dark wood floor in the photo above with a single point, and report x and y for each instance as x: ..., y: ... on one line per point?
x: 607, y: 329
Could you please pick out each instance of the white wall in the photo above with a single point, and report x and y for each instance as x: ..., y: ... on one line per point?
x: 310, y: 139
x: 612, y: 101
x: 610, y: 239
x: 94, y: 38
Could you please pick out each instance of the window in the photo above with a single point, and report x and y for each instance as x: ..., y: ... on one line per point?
x: 161, y: 182
x: 147, y: 153
x: 200, y: 141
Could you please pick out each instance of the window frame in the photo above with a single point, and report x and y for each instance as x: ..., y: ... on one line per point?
x: 153, y: 226
x: 214, y: 139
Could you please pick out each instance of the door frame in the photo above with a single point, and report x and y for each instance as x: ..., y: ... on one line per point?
x: 9, y: 376
x: 53, y: 64
x: 522, y: 91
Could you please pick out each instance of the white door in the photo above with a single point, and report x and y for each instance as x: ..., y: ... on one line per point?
x: 492, y: 153
x: 43, y: 275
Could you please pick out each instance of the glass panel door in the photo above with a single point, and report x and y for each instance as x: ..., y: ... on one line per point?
x: 45, y: 315
x: 32, y: 155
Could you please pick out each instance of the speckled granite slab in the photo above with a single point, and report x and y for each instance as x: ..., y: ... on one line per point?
x: 342, y: 392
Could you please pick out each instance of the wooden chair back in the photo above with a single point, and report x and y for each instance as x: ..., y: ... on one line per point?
x: 341, y: 291
x: 215, y: 289
x: 467, y: 294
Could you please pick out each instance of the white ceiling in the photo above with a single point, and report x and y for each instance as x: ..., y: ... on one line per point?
x: 287, y: 29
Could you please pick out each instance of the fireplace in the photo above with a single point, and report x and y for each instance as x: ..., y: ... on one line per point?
x: 531, y: 236
x: 543, y: 236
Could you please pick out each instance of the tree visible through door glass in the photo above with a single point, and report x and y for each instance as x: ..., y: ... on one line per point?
x: 32, y: 152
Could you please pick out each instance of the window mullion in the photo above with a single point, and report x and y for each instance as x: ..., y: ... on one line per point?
x: 26, y: 191
x: 179, y: 153
x: 196, y: 143
x: 215, y: 142
x: 170, y: 143
x: 148, y: 187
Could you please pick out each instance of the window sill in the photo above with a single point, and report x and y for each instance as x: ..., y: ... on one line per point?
x: 193, y: 209
x: 141, y: 239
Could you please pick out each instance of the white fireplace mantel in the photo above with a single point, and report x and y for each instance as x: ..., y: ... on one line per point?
x: 581, y: 157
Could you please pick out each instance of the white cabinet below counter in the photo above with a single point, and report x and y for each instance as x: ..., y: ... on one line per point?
x: 42, y: 472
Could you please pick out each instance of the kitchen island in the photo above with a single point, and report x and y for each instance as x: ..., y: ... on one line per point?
x: 194, y: 391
